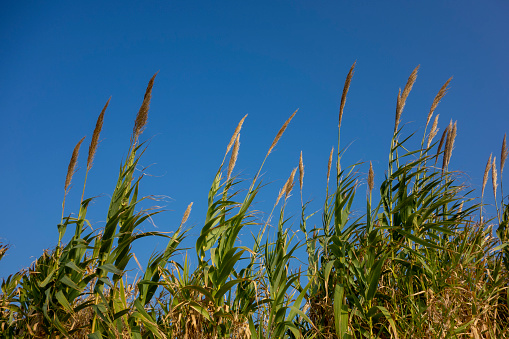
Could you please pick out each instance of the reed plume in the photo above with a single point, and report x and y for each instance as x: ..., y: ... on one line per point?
x: 70, y: 172
x: 95, y: 137
x: 345, y: 92
x: 485, y: 177
x: 142, y: 116
x: 449, y: 145
x: 434, y: 131
x: 494, y: 177
x: 503, y: 155
x: 371, y: 178
x: 301, y: 171
x: 460, y: 209
x: 280, y: 194
x: 234, y: 136
x: 186, y: 214
x: 289, y: 183
x: 281, y: 131
x: 329, y: 165
x: 72, y: 164
x: 398, y: 112
x: 233, y: 157
x: 287, y: 187
x: 94, y: 144
x: 441, y: 143
x: 400, y: 105
x: 437, y: 99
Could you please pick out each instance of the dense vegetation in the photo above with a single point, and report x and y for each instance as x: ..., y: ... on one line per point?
x: 422, y: 262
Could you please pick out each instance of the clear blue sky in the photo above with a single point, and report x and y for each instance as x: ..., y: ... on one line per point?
x: 217, y: 61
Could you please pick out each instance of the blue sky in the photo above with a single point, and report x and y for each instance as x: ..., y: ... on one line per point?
x: 219, y: 60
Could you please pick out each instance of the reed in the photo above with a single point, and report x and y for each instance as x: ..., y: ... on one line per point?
x: 280, y: 133
x: 70, y: 172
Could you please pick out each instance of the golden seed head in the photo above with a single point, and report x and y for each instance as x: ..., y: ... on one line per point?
x: 398, y: 112
x: 233, y: 158
x: 142, y: 116
x: 95, y: 137
x: 289, y: 183
x: 434, y: 131
x: 72, y: 164
x: 448, y: 147
x: 234, y: 136
x: 371, y: 178
x: 461, y: 207
x: 301, y: 171
x: 494, y: 177
x: 345, y: 92
x: 287, y: 187
x: 281, y: 131
x: 503, y: 155
x: 329, y: 164
x: 186, y: 214
x: 281, y: 192
x: 485, y: 177
x: 403, y: 96
x: 441, y: 143
x: 441, y: 93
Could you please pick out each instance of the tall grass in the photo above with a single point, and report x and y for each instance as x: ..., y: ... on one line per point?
x: 421, y: 262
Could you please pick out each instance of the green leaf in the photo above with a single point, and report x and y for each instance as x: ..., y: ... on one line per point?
x: 419, y: 240
x: 73, y: 266
x: 67, y: 281
x: 63, y: 301
x: 375, y: 277
x: 340, y: 311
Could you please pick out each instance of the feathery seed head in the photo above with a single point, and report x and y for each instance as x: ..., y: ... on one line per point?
x: 72, y: 164
x: 329, y: 164
x: 142, y: 116
x: 453, y: 138
x: 287, y: 187
x: 95, y: 137
x: 448, y: 146
x: 345, y: 92
x: 403, y: 96
x: 371, y: 178
x: 494, y: 177
x: 301, y: 171
x: 398, y: 112
x: 186, y: 214
x: 441, y: 93
x: 441, y: 143
x: 281, y: 131
x: 289, y: 183
x: 234, y: 136
x: 434, y: 131
x: 233, y: 158
x: 485, y: 177
x: 503, y: 155
x: 281, y: 192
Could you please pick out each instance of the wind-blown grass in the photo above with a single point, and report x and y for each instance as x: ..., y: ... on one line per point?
x: 422, y: 262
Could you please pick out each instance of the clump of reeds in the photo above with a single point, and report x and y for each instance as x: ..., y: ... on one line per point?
x: 416, y: 264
